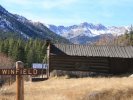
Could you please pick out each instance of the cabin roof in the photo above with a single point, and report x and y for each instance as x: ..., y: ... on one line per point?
x: 91, y: 50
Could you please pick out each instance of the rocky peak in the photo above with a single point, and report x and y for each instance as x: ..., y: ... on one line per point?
x: 2, y: 10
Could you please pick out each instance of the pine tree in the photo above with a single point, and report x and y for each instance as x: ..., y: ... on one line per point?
x: 11, y: 45
x: 30, y: 57
x: 131, y: 35
x: 31, y: 51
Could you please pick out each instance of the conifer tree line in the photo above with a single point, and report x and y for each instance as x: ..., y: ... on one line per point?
x: 28, y: 51
x: 129, y: 36
x: 124, y: 39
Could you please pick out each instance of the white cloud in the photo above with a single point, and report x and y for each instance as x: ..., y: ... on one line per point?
x: 48, y: 4
x: 19, y: 2
x: 114, y: 2
x: 53, y: 20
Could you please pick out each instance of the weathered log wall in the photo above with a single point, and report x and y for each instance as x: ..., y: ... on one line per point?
x: 95, y: 64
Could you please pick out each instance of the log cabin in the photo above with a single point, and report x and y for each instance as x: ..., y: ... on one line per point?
x: 92, y: 58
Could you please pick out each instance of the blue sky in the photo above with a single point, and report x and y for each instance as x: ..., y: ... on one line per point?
x: 69, y: 12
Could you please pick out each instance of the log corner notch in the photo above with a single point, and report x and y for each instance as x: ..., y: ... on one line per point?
x: 48, y: 43
x: 19, y: 82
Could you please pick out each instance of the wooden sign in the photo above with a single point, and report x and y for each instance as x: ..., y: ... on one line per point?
x: 21, y: 71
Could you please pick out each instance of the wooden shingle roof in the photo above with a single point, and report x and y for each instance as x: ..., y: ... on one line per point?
x: 94, y: 51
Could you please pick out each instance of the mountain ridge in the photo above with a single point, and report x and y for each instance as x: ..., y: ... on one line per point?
x: 87, y: 30
x: 24, y: 28
x: 83, y: 33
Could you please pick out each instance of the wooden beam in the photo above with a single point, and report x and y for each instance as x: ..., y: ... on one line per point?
x: 48, y: 61
x: 19, y: 82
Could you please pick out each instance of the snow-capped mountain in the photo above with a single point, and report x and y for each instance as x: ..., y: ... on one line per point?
x: 86, y: 32
x: 18, y: 26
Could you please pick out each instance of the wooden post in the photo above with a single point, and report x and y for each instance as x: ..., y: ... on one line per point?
x: 48, y: 54
x: 19, y: 82
x: 48, y: 44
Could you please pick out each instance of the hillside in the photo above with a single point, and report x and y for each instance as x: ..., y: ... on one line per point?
x: 13, y: 25
x: 70, y: 89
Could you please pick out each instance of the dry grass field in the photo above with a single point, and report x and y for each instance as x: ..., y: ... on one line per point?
x: 74, y: 89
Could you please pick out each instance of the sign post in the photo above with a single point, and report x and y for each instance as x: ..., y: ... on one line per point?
x: 19, y: 71
x: 19, y: 82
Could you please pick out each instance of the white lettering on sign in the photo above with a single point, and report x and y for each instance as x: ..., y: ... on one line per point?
x: 19, y: 71
x: 39, y: 66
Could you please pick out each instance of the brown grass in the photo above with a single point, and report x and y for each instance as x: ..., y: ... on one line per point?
x: 74, y: 89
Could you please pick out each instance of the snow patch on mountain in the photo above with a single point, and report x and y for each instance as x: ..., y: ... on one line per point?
x: 86, y: 29
x: 4, y: 24
x: 20, y: 18
x: 84, y: 32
